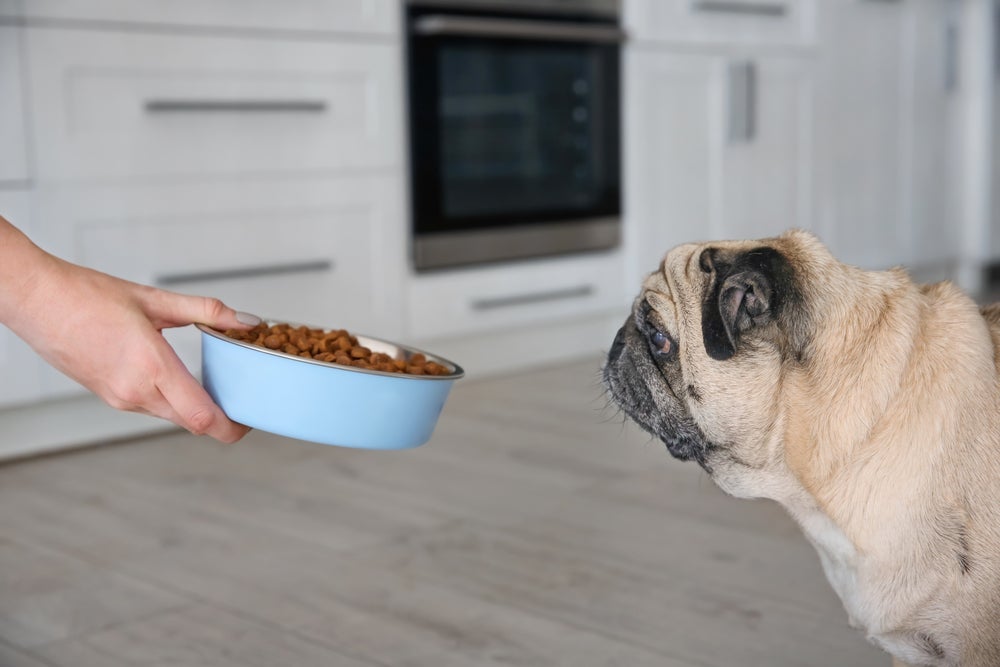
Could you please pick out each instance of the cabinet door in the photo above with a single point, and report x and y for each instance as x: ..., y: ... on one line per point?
x: 766, y: 167
x: 13, y: 150
x: 20, y: 367
x: 859, y: 108
x: 931, y: 203
x: 672, y: 148
x: 716, y: 148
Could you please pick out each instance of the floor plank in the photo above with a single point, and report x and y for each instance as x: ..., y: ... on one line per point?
x: 197, y: 635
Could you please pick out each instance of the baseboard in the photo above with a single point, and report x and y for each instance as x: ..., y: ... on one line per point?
x: 82, y: 421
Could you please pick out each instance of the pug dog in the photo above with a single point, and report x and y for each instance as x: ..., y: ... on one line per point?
x: 865, y: 404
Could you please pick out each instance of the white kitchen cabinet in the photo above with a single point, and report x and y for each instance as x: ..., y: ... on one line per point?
x: 377, y: 17
x: 766, y: 179
x: 11, y: 8
x: 887, y: 139
x: 128, y: 107
x: 860, y: 132
x: 716, y: 147
x: 317, y: 251
x: 20, y: 367
x: 505, y: 297
x: 786, y: 22
x: 993, y: 251
x: 932, y: 158
x: 13, y: 147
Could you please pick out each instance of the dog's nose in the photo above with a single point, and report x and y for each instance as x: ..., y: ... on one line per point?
x: 617, y: 345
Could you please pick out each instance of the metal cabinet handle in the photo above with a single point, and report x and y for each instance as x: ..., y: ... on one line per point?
x: 513, y: 300
x: 731, y: 7
x: 742, y: 94
x: 434, y: 25
x: 951, y: 57
x: 311, y: 266
x: 234, y: 106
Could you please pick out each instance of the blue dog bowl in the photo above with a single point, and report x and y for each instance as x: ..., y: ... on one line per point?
x: 313, y: 400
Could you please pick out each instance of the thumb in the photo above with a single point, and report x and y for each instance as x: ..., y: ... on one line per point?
x: 170, y: 309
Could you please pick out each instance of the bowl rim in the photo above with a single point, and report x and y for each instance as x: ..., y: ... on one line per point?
x: 458, y: 373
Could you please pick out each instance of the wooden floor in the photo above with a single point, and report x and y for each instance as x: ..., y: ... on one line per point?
x: 535, y: 529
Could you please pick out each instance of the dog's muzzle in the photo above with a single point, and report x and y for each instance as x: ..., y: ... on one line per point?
x: 631, y: 376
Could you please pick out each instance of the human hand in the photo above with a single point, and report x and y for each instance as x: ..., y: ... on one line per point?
x: 105, y: 333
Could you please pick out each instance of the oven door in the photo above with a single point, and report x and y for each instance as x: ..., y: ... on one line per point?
x: 514, y: 136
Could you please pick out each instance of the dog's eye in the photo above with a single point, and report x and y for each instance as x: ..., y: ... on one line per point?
x: 661, y: 342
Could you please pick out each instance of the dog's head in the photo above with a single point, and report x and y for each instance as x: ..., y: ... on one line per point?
x: 699, y: 363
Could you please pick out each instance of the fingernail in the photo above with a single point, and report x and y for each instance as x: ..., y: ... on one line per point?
x: 247, y: 319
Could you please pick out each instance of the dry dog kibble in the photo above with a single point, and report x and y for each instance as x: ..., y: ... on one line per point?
x: 333, y: 347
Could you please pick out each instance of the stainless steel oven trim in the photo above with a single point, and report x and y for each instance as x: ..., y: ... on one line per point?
x: 442, y: 25
x: 604, y: 9
x: 751, y: 8
x: 476, y: 246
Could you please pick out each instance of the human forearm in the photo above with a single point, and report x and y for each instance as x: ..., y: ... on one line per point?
x: 24, y: 270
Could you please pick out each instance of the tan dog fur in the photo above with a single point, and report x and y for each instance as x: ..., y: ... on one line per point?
x: 880, y: 435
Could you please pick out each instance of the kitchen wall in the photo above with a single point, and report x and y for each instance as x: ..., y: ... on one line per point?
x: 853, y: 118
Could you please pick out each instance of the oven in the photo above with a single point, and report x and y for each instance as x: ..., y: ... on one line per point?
x: 514, y: 129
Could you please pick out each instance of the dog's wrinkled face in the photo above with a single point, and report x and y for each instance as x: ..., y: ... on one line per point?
x: 699, y: 362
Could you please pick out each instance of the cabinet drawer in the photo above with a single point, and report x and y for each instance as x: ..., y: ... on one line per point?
x: 13, y: 155
x: 310, y: 268
x: 118, y: 107
x: 498, y: 298
x: 722, y: 21
x: 351, y: 16
x: 309, y: 250
x: 11, y: 8
x: 20, y: 367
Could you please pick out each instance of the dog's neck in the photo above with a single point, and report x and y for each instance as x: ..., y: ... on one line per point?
x: 845, y: 429
x: 866, y: 325
x: 863, y: 463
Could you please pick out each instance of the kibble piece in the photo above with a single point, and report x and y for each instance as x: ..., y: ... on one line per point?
x: 273, y: 342
x: 290, y: 349
x: 360, y: 352
x: 416, y: 370
x: 418, y: 359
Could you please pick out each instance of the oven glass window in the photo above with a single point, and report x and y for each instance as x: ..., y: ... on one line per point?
x: 512, y: 131
x: 519, y: 129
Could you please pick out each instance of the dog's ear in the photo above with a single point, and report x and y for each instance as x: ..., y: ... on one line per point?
x: 746, y: 291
